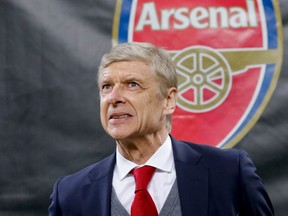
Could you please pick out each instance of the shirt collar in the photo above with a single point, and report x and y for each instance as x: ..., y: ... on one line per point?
x: 164, y: 164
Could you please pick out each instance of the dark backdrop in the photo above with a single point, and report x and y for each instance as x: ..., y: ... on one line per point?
x: 49, y: 105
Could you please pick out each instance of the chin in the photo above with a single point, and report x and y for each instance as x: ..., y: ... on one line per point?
x: 118, y: 135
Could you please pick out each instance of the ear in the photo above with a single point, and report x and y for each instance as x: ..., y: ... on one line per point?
x: 170, y: 101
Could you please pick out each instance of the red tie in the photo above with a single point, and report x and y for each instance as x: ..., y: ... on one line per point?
x: 143, y: 204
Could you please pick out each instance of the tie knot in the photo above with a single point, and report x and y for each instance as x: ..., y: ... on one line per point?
x: 143, y: 176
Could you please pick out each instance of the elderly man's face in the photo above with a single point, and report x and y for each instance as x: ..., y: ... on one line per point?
x: 131, y: 105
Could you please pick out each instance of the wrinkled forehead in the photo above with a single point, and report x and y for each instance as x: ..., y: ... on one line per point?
x: 126, y: 69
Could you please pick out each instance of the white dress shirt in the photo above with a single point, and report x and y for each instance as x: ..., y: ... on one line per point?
x: 160, y: 184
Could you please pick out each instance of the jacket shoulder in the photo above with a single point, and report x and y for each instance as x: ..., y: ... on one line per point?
x: 89, y: 173
x: 209, y: 156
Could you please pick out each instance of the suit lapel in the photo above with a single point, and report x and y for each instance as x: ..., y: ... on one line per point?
x: 192, y: 179
x: 97, y: 194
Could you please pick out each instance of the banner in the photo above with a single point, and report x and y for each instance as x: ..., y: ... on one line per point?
x: 231, y: 60
x: 225, y: 81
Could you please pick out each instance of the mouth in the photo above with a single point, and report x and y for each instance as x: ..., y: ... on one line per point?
x: 119, y: 116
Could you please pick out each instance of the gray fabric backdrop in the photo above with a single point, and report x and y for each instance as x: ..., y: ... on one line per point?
x: 49, y: 115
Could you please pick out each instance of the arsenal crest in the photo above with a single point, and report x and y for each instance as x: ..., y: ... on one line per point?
x: 227, y: 55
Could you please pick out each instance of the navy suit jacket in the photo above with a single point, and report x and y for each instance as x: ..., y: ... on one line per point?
x: 211, y: 182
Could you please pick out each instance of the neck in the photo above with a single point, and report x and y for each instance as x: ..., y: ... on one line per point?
x: 140, y: 149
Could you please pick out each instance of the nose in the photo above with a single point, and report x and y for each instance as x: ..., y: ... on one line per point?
x: 116, y: 96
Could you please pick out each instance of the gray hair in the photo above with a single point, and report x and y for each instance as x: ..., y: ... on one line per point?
x: 160, y: 61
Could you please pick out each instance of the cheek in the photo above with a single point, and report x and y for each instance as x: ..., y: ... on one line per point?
x: 153, y: 107
x: 103, y: 112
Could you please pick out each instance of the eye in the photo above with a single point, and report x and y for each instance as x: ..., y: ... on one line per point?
x: 106, y: 87
x: 133, y: 84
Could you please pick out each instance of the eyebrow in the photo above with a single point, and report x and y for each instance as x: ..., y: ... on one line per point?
x: 131, y: 78
x: 136, y: 79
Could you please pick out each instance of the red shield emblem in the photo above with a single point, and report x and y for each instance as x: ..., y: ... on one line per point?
x: 227, y: 55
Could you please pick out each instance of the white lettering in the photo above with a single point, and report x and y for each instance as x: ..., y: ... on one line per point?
x: 198, y: 17
x: 238, y: 18
x: 148, y: 17
x: 218, y: 14
x: 251, y: 13
x: 166, y: 14
x: 182, y: 18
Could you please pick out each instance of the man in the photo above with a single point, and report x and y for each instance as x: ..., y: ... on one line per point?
x: 138, y: 91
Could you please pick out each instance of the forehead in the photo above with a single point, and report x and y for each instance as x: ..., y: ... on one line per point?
x: 124, y: 69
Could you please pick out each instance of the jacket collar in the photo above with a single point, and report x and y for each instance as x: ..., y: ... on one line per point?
x: 192, y: 179
x: 97, y: 193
